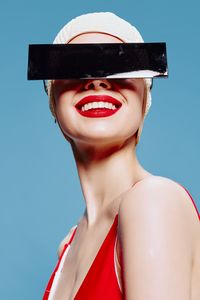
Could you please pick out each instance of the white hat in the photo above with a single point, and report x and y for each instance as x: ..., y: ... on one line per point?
x: 104, y: 22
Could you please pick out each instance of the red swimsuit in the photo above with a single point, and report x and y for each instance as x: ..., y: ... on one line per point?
x: 101, y: 281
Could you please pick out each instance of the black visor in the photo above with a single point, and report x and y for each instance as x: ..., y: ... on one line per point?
x: 107, y: 60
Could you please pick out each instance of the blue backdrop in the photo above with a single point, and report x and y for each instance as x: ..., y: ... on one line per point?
x: 40, y: 193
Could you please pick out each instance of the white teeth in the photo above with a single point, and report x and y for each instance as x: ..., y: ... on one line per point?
x: 89, y: 105
x: 101, y: 104
x: 97, y: 105
x: 107, y: 105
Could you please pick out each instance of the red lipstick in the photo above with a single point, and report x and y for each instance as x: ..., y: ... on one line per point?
x: 98, y: 112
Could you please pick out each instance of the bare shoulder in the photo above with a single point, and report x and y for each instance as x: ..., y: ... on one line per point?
x: 158, y: 192
x: 157, y: 229
x: 160, y: 200
x: 65, y: 240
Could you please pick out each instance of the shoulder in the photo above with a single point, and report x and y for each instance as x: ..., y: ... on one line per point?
x: 161, y: 206
x: 65, y: 240
x: 155, y: 225
x: 158, y: 194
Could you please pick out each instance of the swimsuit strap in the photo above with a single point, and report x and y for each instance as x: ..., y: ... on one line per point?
x: 72, y: 236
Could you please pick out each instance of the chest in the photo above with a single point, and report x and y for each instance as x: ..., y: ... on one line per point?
x: 78, y: 276
x: 87, y: 275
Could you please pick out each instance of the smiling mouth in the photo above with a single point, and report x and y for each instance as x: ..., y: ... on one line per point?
x: 98, y: 102
x: 98, y: 105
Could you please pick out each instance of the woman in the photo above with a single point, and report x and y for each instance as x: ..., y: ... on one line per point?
x: 139, y: 237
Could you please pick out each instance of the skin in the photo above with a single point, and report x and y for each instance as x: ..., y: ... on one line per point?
x: 102, y: 145
x: 150, y: 208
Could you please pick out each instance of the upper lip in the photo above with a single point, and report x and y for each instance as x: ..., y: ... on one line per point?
x: 98, y: 98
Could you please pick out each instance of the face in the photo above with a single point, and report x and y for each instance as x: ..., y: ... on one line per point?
x: 112, y: 128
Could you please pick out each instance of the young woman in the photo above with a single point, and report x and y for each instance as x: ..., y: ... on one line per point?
x: 139, y: 237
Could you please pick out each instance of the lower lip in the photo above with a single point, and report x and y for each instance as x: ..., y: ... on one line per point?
x: 97, y: 113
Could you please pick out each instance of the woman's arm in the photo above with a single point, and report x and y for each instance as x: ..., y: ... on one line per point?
x: 155, y: 231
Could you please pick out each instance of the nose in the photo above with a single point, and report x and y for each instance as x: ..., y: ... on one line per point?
x: 97, y: 84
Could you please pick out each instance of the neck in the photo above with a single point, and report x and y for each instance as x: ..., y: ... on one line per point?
x: 105, y: 174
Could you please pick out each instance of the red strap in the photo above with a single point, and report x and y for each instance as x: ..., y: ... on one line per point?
x: 49, y: 285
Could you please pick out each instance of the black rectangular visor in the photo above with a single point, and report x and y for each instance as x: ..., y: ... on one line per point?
x: 104, y: 60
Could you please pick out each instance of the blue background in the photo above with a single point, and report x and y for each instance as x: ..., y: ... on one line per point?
x: 40, y: 193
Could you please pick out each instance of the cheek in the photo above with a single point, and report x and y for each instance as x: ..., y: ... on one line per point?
x: 133, y: 110
x: 65, y: 110
x: 63, y: 100
x: 134, y: 113
x: 130, y: 116
x: 134, y: 102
